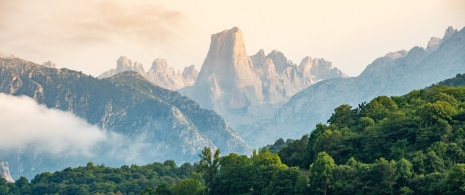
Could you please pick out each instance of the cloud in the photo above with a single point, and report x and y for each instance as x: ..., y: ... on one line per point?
x: 30, y: 127
x: 25, y: 123
x: 108, y: 20
x: 55, y: 28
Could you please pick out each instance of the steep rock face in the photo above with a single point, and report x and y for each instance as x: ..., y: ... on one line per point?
x: 245, y: 89
x: 396, y: 73
x: 160, y: 73
x: 5, y: 172
x: 127, y: 104
x: 226, y: 77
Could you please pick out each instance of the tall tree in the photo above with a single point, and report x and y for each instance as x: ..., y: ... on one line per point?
x: 321, y: 173
x: 209, y: 164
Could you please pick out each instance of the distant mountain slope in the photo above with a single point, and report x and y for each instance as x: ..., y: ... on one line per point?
x: 127, y: 104
x: 394, y: 74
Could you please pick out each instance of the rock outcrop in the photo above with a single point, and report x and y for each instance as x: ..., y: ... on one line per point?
x: 160, y: 73
x: 5, y: 172
x: 227, y: 79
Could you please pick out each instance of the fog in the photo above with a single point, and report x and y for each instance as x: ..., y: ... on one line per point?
x: 24, y: 122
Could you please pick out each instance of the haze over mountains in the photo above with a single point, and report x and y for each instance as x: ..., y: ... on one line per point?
x: 166, y: 124
x: 394, y: 74
x: 263, y: 97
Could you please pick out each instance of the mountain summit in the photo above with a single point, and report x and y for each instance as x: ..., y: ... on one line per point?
x: 227, y: 75
x: 245, y: 89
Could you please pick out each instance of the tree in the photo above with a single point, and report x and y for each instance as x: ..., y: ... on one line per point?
x: 235, y: 176
x: 455, y: 180
x: 321, y: 173
x: 163, y: 189
x: 264, y: 164
x: 284, y: 181
x: 380, y: 177
x: 189, y: 186
x: 404, y: 170
x: 301, y: 186
x: 379, y: 108
x: 209, y: 164
x: 343, y: 116
x: 23, y: 184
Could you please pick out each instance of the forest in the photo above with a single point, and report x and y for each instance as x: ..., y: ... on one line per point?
x: 410, y: 144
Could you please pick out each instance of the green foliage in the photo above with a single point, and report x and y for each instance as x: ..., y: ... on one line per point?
x: 189, y: 186
x: 321, y: 173
x: 455, y: 181
x: 91, y: 179
x: 209, y: 164
x: 284, y: 181
x: 412, y: 144
x: 295, y: 153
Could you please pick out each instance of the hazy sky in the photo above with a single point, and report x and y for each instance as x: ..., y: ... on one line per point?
x: 90, y: 35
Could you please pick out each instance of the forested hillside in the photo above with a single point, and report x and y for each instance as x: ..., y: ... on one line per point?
x: 411, y: 144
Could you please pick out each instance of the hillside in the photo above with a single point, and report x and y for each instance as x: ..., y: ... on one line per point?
x: 396, y: 73
x: 410, y: 144
x: 126, y: 104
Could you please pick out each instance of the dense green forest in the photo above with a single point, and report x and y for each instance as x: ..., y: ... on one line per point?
x: 411, y: 144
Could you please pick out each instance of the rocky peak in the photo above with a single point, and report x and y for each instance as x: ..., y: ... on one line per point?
x: 123, y: 64
x: 138, y: 67
x: 306, y: 66
x: 190, y: 74
x: 434, y: 41
x: 49, y: 64
x: 449, y: 32
x: 161, y: 66
x: 279, y: 60
x: 227, y: 68
x: 397, y: 54
x: 5, y: 171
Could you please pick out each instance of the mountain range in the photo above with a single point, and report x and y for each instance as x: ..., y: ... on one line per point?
x: 262, y: 97
x: 245, y: 89
x: 127, y: 104
x: 394, y: 74
x: 160, y: 73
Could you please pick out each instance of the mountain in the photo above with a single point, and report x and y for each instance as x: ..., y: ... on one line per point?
x: 160, y: 73
x: 245, y: 89
x: 394, y: 74
x: 126, y: 104
x: 281, y: 78
x: 5, y: 172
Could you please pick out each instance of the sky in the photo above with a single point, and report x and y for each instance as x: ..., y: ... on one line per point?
x: 90, y: 35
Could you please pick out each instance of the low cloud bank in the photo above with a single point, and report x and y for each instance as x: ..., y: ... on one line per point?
x: 24, y: 122
x: 29, y: 130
